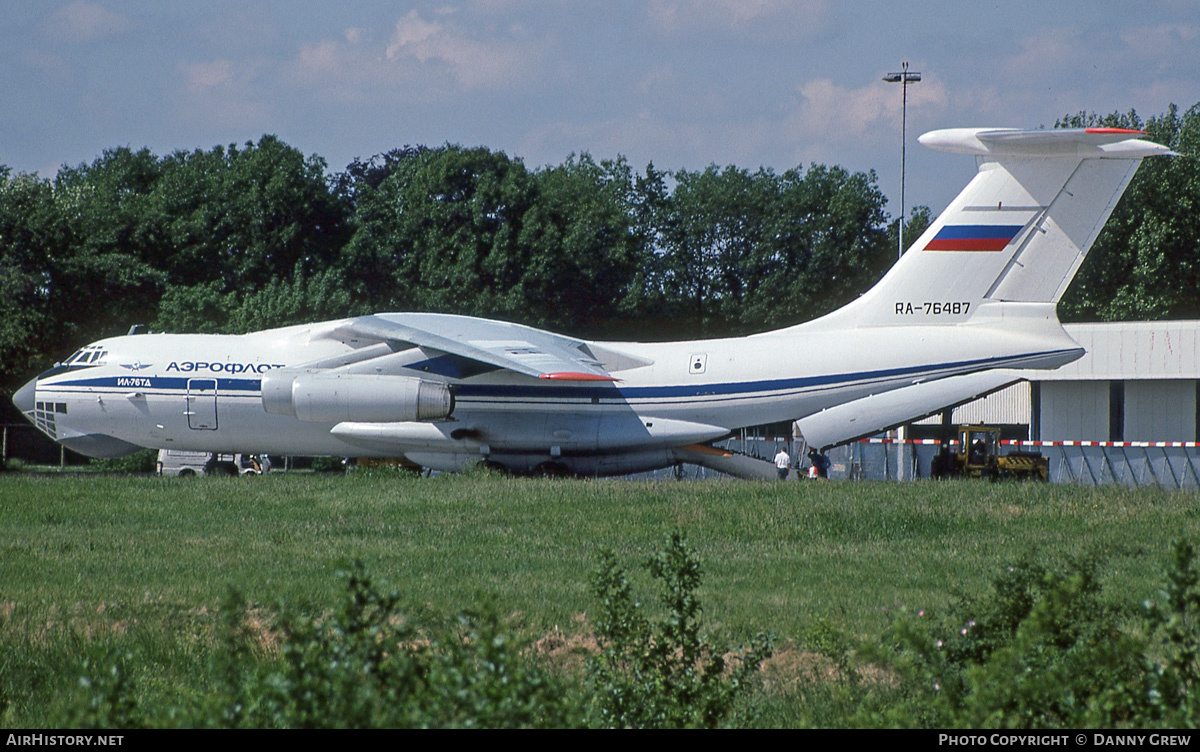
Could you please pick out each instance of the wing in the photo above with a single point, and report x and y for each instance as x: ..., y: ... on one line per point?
x: 512, y: 347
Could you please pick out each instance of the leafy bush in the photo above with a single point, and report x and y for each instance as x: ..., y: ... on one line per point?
x: 362, y: 666
x: 328, y: 465
x: 662, y: 674
x: 107, y: 700
x: 1040, y: 651
x: 366, y: 666
x: 1172, y: 696
x: 144, y: 461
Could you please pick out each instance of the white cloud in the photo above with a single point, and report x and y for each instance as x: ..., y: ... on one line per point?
x: 1049, y: 53
x: 1161, y: 41
x: 344, y: 72
x: 322, y: 59
x: 657, y: 79
x: 1165, y: 58
x: 410, y: 32
x: 205, y: 75
x: 473, y: 62
x: 220, y: 92
x: 421, y: 58
x: 840, y: 114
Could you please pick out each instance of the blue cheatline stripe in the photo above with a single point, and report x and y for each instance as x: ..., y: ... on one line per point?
x: 543, y: 390
x: 468, y: 390
x: 163, y: 382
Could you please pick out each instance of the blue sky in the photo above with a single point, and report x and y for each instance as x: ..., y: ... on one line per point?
x: 682, y: 83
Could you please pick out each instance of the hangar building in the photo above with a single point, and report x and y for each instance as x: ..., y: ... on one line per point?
x: 1127, y: 412
x: 1138, y: 382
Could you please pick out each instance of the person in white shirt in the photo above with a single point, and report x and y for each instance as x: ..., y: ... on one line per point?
x: 782, y: 460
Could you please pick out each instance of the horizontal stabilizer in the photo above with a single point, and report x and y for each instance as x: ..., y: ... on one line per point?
x: 1116, y: 143
x: 879, y: 412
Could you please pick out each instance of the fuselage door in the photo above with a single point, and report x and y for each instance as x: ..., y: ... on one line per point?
x: 202, y: 404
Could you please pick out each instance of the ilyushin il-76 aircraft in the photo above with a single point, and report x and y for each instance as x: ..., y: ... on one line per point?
x: 973, y: 298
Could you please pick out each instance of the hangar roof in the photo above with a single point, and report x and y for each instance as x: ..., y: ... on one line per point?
x: 1131, y: 350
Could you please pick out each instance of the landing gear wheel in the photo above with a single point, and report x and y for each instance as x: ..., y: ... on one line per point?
x: 493, y: 467
x: 551, y: 470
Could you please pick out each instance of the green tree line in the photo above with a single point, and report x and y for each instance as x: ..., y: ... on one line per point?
x: 240, y: 238
x: 1145, y: 265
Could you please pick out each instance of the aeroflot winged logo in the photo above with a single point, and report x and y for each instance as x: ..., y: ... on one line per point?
x: 973, y: 238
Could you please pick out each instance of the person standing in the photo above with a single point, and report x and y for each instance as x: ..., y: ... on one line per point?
x: 820, y: 465
x: 782, y: 461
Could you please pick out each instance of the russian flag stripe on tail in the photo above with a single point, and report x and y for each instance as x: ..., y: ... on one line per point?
x: 973, y: 238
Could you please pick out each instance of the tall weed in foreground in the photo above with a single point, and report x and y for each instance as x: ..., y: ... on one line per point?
x: 361, y: 666
x: 364, y: 665
x: 108, y: 701
x: 1173, y: 681
x: 1040, y: 651
x: 367, y: 667
x: 662, y: 674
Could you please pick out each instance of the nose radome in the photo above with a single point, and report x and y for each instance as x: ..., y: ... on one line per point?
x: 24, y: 397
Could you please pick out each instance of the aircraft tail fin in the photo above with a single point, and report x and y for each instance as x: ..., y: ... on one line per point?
x: 1019, y: 230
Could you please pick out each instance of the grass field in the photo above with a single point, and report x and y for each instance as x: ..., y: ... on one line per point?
x: 87, y: 558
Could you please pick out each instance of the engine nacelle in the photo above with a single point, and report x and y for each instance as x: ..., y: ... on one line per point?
x: 368, y: 398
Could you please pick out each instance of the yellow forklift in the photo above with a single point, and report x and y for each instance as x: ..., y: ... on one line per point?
x: 977, y: 455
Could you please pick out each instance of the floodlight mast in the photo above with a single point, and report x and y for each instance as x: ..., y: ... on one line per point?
x: 904, y: 77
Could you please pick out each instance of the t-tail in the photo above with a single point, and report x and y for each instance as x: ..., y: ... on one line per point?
x: 1019, y: 230
x: 989, y: 272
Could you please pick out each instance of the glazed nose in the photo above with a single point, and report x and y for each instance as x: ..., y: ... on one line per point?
x: 24, y: 397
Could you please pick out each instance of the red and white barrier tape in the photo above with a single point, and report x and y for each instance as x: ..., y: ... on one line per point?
x: 1018, y: 442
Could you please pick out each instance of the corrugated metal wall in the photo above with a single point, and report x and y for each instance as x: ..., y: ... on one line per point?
x: 1133, y: 350
x: 1007, y: 406
x: 1172, y: 468
x: 1074, y: 411
x: 1160, y: 410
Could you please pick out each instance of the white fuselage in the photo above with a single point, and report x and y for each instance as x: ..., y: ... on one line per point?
x: 203, y: 392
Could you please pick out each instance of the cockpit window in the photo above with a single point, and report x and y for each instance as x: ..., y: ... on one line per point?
x: 82, y: 358
x: 86, y: 355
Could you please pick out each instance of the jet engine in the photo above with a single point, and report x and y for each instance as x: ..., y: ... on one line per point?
x: 372, y: 398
